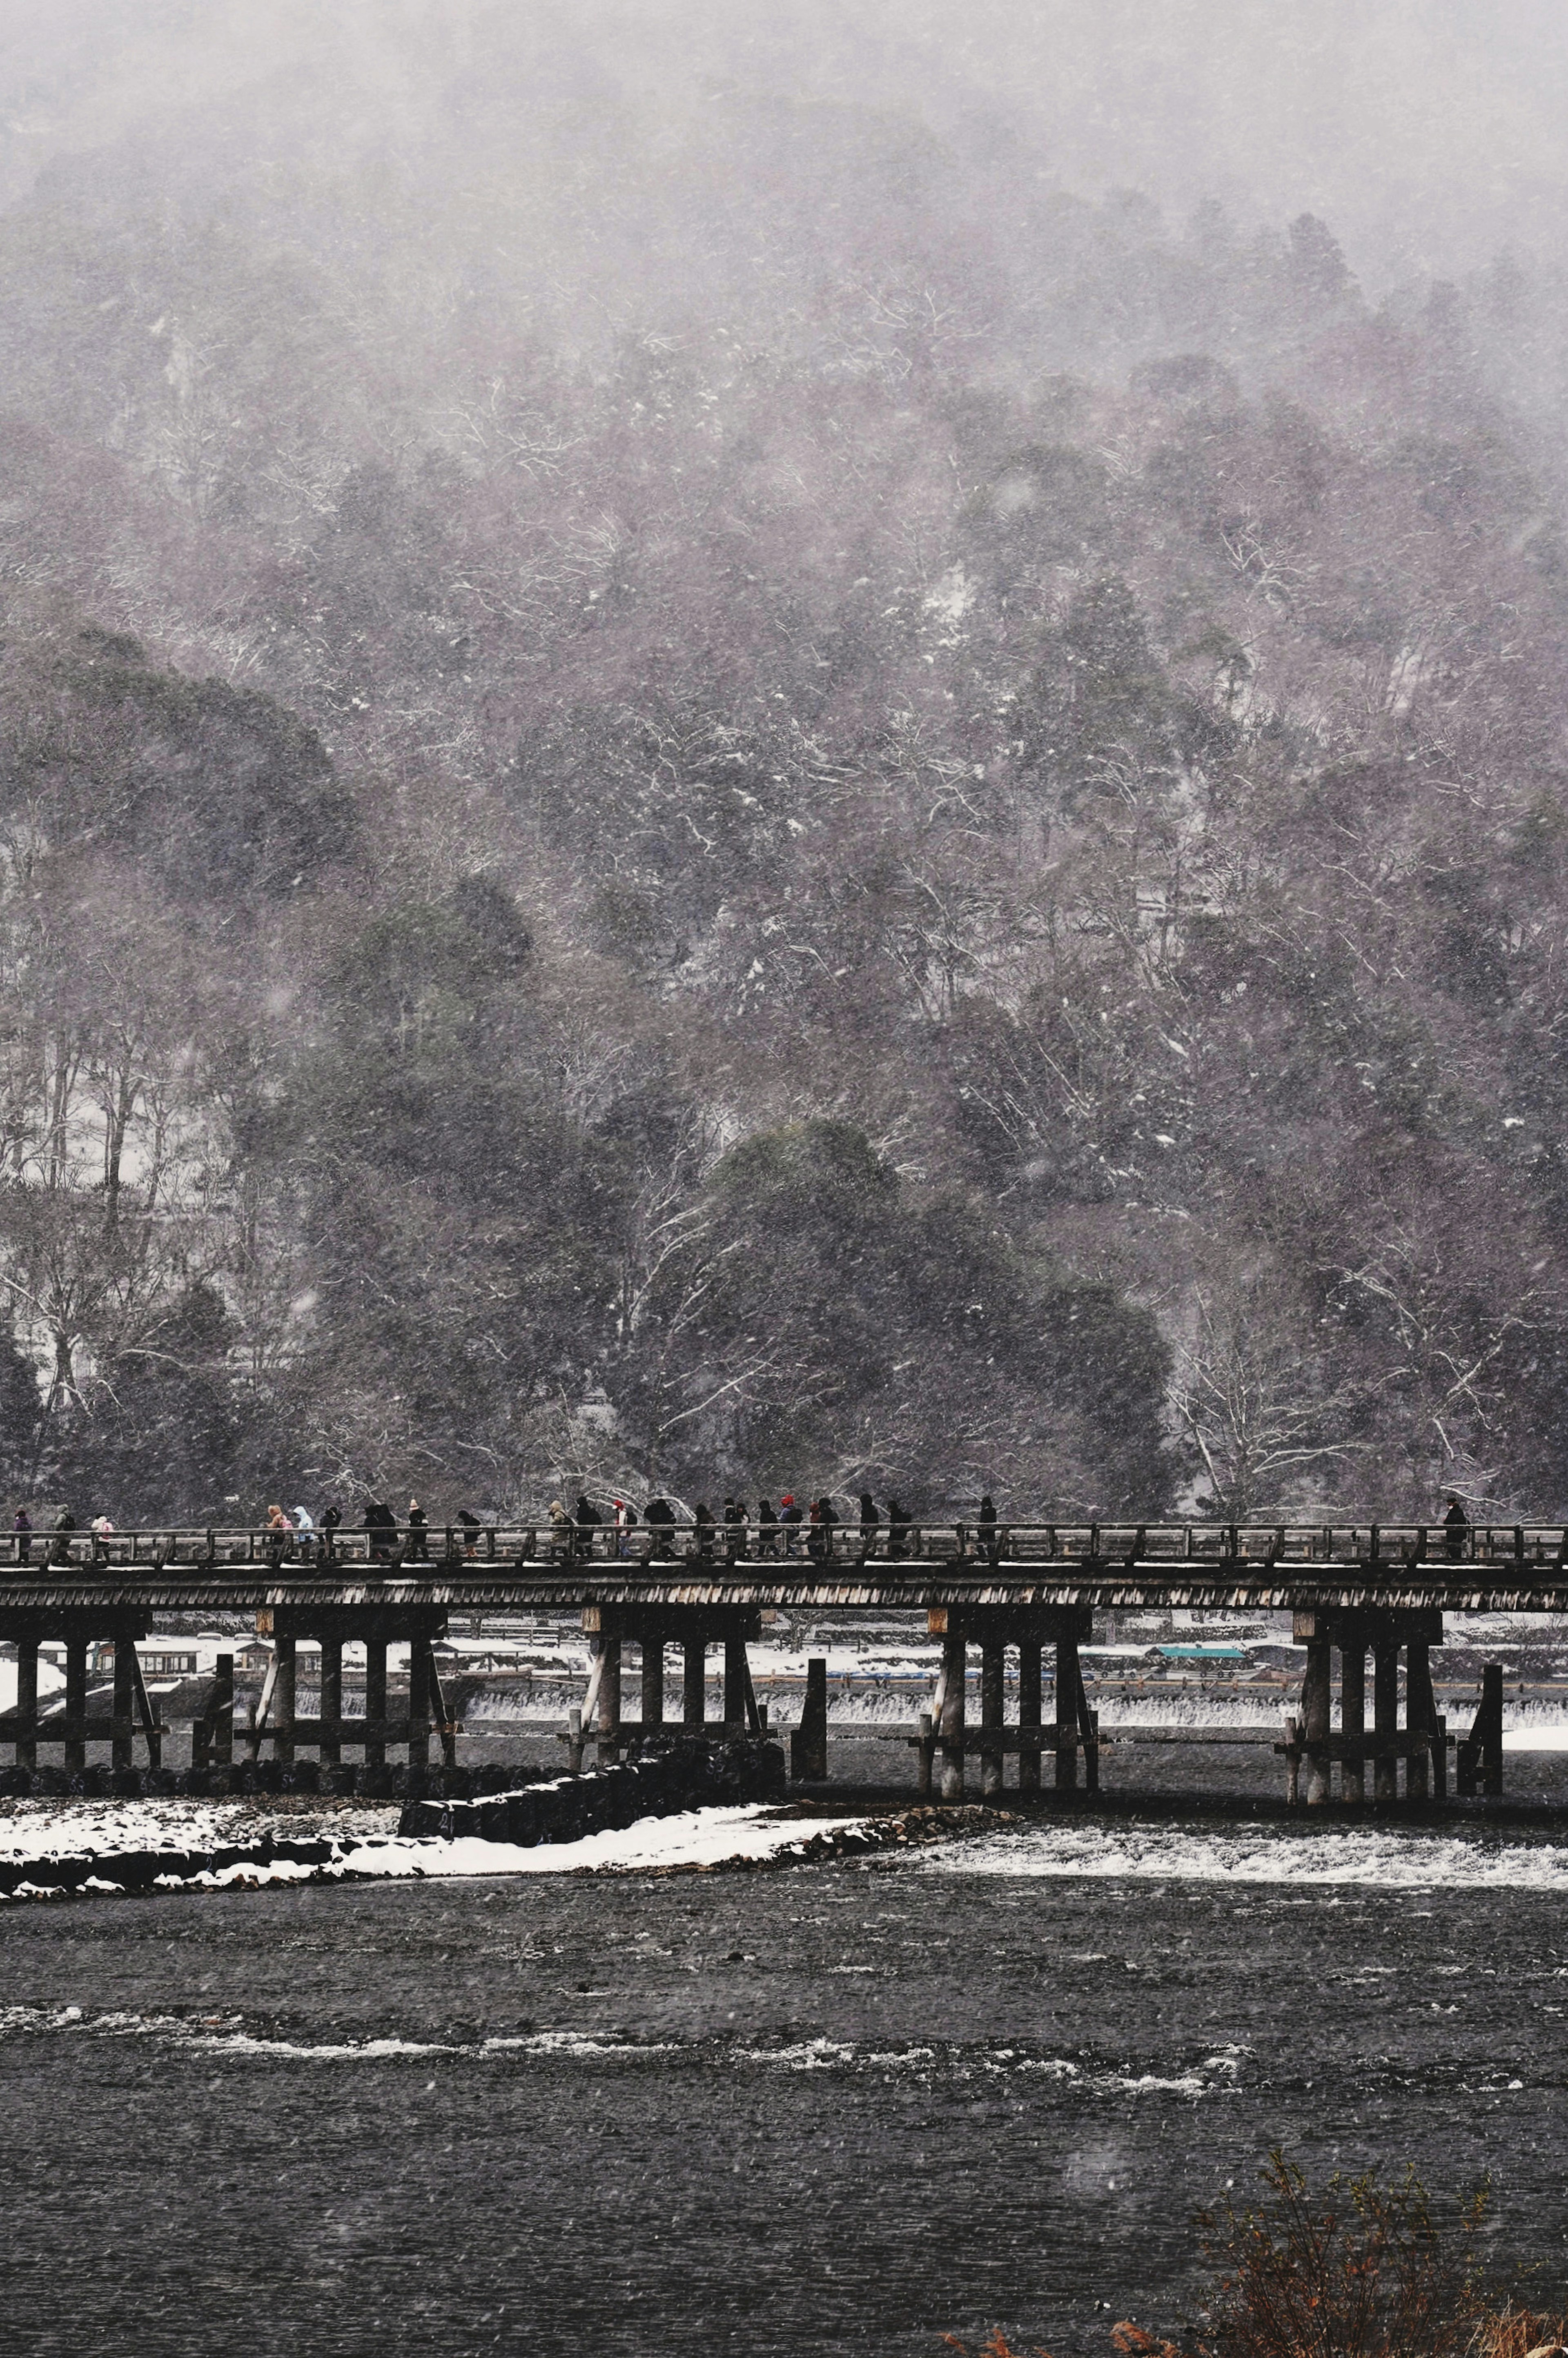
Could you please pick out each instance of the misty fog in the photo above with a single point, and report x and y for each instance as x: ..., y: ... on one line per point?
x: 810, y: 747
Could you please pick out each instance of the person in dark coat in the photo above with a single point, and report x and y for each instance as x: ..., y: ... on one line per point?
x: 22, y: 1527
x: 989, y: 1547
x: 706, y: 1527
x: 791, y: 1516
x: 735, y: 1530
x: 588, y: 1519
x: 416, y: 1551
x: 660, y: 1517
x: 1456, y: 1527
x: 380, y: 1523
x: 870, y: 1524
x: 472, y: 1528
x: 767, y: 1529
x: 898, y: 1530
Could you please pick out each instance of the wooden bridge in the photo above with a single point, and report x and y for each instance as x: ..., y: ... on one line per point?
x: 1354, y: 1590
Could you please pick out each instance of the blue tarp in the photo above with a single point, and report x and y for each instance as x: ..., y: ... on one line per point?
x: 1203, y: 1653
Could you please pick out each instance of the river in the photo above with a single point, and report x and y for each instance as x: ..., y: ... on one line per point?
x: 833, y: 2108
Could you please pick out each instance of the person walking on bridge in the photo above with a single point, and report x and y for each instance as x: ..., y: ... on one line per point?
x: 735, y: 1530
x: 659, y: 1516
x: 416, y: 1551
x: 791, y: 1516
x: 767, y: 1530
x: 588, y: 1519
x: 1457, y: 1529
x: 870, y: 1524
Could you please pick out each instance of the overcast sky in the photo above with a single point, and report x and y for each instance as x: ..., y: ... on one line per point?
x: 1430, y: 132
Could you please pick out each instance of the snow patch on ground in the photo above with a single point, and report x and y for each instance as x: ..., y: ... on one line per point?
x: 1386, y: 1860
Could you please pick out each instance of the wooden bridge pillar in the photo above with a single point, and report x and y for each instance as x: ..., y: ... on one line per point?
x: 1421, y: 1717
x: 608, y: 1701
x: 122, y: 1725
x: 375, y: 1701
x: 1353, y: 1713
x: 737, y: 1682
x: 1386, y: 1715
x: 653, y: 1678
x: 419, y: 1668
x: 694, y: 1699
x: 1029, y: 1653
x: 991, y: 1713
x: 1067, y: 1715
x: 27, y: 1702
x: 950, y: 1731
x: 76, y: 1700
x: 330, y: 1706
x: 1315, y: 1714
x: 285, y: 1695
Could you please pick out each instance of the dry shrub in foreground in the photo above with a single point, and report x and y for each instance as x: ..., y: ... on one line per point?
x: 1362, y: 2271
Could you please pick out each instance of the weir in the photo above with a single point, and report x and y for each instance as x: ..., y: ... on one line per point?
x: 1023, y: 1594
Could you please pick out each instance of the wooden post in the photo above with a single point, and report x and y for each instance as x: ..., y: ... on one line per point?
x: 152, y: 1735
x: 608, y: 1701
x: 925, y: 1751
x: 27, y: 1702
x: 121, y: 1729
x: 1067, y: 1715
x: 1314, y: 1716
x: 954, y: 1665
x: 1029, y: 1653
x: 283, y: 1695
x: 375, y: 1701
x: 694, y: 1701
x: 331, y: 1708
x: 1089, y: 1731
x: 1386, y: 1715
x: 221, y: 1742
x: 991, y: 1713
x: 442, y: 1714
x: 808, y: 1746
x: 1292, y: 1760
x: 1352, y: 1716
x: 735, y: 1683
x: 653, y: 1678
x: 1492, y: 1733
x: 76, y: 1701
x: 419, y: 1701
x: 1421, y: 1711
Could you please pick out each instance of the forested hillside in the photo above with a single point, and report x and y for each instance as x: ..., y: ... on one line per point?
x: 708, y: 788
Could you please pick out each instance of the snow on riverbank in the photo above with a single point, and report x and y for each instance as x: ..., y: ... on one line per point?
x: 222, y: 1845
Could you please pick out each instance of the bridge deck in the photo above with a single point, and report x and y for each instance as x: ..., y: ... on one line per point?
x: 1507, y: 1586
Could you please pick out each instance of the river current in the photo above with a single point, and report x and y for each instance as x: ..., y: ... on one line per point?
x: 830, y: 2108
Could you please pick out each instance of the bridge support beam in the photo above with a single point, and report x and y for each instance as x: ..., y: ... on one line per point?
x: 27, y: 1702
x: 1353, y: 1717
x: 653, y: 1678
x: 1386, y: 1717
x: 1028, y: 1657
x: 331, y: 1704
x: 694, y: 1682
x: 991, y: 1689
x: 608, y: 1701
x: 1422, y: 1744
x: 1030, y: 1628
x: 951, y: 1728
x: 737, y: 1684
x: 1314, y: 1720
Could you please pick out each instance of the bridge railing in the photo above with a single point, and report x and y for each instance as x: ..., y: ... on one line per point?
x: 1408, y: 1549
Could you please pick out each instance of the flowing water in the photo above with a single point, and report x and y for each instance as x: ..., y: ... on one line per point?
x: 833, y: 2108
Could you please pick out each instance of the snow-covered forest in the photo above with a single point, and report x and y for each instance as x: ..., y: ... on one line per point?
x: 706, y: 782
